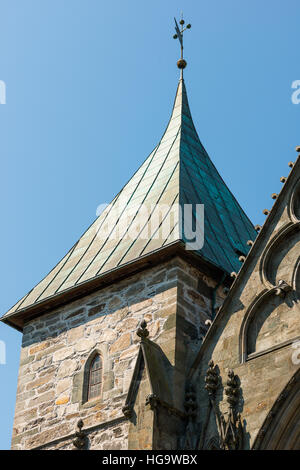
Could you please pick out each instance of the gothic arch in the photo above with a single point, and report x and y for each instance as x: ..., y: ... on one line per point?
x: 280, y: 430
x: 81, y: 379
x: 279, y: 248
x: 296, y: 278
x: 294, y: 206
x: 86, y: 374
x: 267, y: 312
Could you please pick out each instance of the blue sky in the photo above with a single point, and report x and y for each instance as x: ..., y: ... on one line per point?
x: 90, y: 87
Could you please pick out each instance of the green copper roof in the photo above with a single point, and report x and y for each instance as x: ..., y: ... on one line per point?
x: 226, y: 226
x: 144, y: 216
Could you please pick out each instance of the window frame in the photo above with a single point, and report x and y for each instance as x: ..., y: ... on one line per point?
x: 90, y: 375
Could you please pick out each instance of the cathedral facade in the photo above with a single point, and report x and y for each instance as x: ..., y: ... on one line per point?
x: 138, y: 339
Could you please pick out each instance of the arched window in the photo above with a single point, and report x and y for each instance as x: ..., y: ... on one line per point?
x: 95, y: 377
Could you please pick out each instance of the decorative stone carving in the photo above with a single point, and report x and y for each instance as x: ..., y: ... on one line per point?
x: 230, y: 428
x: 191, y: 437
x: 142, y: 332
x: 152, y: 400
x: 127, y: 411
x: 282, y: 288
x: 81, y: 439
x: 211, y: 380
x: 151, y: 359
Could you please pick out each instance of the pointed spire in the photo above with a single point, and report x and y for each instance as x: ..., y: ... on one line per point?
x: 146, y: 216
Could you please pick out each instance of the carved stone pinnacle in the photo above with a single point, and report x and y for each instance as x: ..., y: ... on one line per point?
x: 142, y: 332
x: 81, y: 439
x: 282, y: 288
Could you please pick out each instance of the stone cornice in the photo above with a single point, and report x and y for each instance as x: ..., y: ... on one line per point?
x: 87, y: 431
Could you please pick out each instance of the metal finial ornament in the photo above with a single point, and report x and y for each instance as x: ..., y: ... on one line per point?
x: 181, y: 64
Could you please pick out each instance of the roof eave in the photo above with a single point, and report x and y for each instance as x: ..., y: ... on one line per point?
x: 19, y: 318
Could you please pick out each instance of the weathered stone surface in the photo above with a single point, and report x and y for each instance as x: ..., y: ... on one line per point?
x: 256, y: 338
x: 48, y: 435
x: 41, y: 398
x: 137, y: 307
x: 63, y: 385
x: 41, y: 381
x: 63, y: 354
x: 130, y: 352
x: 122, y: 343
x: 75, y: 333
x: 53, y: 369
x: 96, y: 310
x: 39, y: 347
x: 84, y: 344
x: 25, y: 416
x: 108, y: 335
x: 77, y: 312
x: 128, y: 324
x: 67, y: 368
x: 62, y: 400
x: 115, y: 303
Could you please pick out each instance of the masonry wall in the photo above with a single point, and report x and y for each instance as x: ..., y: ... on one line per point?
x: 140, y: 435
x: 173, y: 298
x: 258, y: 332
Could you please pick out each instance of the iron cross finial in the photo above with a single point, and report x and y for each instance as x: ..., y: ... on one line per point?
x: 179, y: 35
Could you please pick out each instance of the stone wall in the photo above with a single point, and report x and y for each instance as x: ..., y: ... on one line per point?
x: 174, y: 299
x: 258, y: 327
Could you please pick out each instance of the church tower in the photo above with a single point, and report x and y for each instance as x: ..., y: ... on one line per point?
x: 110, y: 333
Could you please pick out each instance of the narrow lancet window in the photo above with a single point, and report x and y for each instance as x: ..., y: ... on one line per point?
x: 95, y: 378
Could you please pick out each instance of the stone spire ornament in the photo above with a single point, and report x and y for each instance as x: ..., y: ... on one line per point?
x: 81, y: 439
x: 142, y: 332
x: 181, y: 64
x: 229, y: 425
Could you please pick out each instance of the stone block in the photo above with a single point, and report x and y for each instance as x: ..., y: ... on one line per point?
x: 39, y: 347
x: 63, y: 385
x: 75, y: 333
x: 84, y: 344
x: 62, y: 400
x: 123, y: 342
x: 67, y: 368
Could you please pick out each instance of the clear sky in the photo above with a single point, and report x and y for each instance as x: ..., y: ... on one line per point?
x: 89, y: 90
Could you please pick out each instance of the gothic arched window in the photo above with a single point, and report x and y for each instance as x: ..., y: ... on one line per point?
x: 95, y: 377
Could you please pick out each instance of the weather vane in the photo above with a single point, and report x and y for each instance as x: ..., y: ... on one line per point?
x: 181, y: 64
